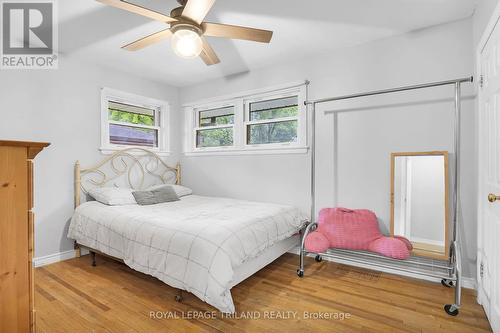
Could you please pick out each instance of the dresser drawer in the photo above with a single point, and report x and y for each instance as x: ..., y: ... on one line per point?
x: 17, y: 236
x: 30, y: 185
x: 14, y: 243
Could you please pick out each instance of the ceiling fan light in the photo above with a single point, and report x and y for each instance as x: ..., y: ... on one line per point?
x: 187, y: 43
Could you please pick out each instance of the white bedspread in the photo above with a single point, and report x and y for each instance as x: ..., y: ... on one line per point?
x: 193, y: 244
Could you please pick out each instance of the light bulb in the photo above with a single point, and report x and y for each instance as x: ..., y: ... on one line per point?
x: 186, y: 43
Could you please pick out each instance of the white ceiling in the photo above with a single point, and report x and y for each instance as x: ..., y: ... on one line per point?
x: 94, y: 32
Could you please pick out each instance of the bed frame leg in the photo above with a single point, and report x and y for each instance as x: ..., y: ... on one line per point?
x: 78, y: 250
x: 92, y: 257
x: 178, y: 297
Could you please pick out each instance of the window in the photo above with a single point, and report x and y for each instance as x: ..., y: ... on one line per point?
x: 132, y: 125
x: 215, y: 127
x: 273, y: 121
x: 132, y: 121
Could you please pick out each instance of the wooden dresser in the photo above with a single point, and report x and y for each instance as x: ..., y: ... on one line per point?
x: 16, y: 235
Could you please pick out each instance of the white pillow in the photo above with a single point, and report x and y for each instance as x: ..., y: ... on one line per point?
x: 180, y: 190
x: 113, y: 196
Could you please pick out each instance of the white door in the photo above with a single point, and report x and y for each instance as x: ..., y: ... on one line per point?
x: 489, y: 181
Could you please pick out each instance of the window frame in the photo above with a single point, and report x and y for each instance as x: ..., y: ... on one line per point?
x: 300, y: 118
x: 196, y: 125
x: 241, y: 104
x: 162, y: 122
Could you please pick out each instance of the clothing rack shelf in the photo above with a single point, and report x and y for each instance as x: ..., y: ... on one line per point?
x: 450, y: 271
x: 415, y: 265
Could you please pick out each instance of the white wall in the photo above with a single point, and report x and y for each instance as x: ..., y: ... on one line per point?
x: 482, y: 15
x: 353, y: 170
x: 63, y: 107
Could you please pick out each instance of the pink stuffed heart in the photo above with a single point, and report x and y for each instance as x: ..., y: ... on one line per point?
x: 354, y: 229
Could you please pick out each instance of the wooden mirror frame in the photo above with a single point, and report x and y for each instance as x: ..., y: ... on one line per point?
x: 422, y: 251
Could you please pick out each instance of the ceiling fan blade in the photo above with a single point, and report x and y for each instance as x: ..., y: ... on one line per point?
x: 196, y: 10
x: 236, y: 32
x: 148, y: 40
x: 138, y: 10
x: 208, y: 54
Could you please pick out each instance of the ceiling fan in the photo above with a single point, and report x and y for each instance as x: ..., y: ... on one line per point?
x: 187, y: 29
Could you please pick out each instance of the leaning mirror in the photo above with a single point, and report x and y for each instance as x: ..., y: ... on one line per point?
x: 419, y: 201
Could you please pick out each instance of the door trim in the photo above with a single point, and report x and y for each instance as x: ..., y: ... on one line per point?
x: 485, y: 37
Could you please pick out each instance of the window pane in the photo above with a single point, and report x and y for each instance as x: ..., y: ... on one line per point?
x: 283, y: 131
x: 275, y: 108
x: 133, y: 136
x: 217, y: 137
x: 131, y: 114
x: 214, y: 117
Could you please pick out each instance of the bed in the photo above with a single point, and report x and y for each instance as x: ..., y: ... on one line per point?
x: 203, y: 245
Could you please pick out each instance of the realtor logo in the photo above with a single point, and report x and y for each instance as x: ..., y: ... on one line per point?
x: 29, y: 35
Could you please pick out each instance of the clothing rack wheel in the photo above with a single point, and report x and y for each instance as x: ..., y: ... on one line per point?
x: 318, y: 258
x: 447, y: 283
x: 451, y: 309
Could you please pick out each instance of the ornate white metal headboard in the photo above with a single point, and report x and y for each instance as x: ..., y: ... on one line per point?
x: 134, y: 168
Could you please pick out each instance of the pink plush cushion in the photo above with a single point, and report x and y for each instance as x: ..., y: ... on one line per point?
x: 408, y: 244
x: 354, y: 229
x: 317, y: 242
x: 348, y: 228
x: 390, y: 247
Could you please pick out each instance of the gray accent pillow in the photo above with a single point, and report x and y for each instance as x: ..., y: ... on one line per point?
x: 156, y: 196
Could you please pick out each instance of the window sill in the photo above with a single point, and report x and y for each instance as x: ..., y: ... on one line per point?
x: 110, y: 151
x: 249, y: 151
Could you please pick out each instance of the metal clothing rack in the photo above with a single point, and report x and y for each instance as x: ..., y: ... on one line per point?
x: 450, y: 271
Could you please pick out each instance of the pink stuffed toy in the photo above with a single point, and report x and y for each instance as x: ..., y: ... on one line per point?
x: 354, y: 230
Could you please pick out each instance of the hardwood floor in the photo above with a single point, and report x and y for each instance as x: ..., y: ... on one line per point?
x: 73, y: 296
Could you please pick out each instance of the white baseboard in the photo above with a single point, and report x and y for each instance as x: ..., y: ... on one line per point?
x: 467, y: 282
x: 52, y: 258
x: 56, y: 257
